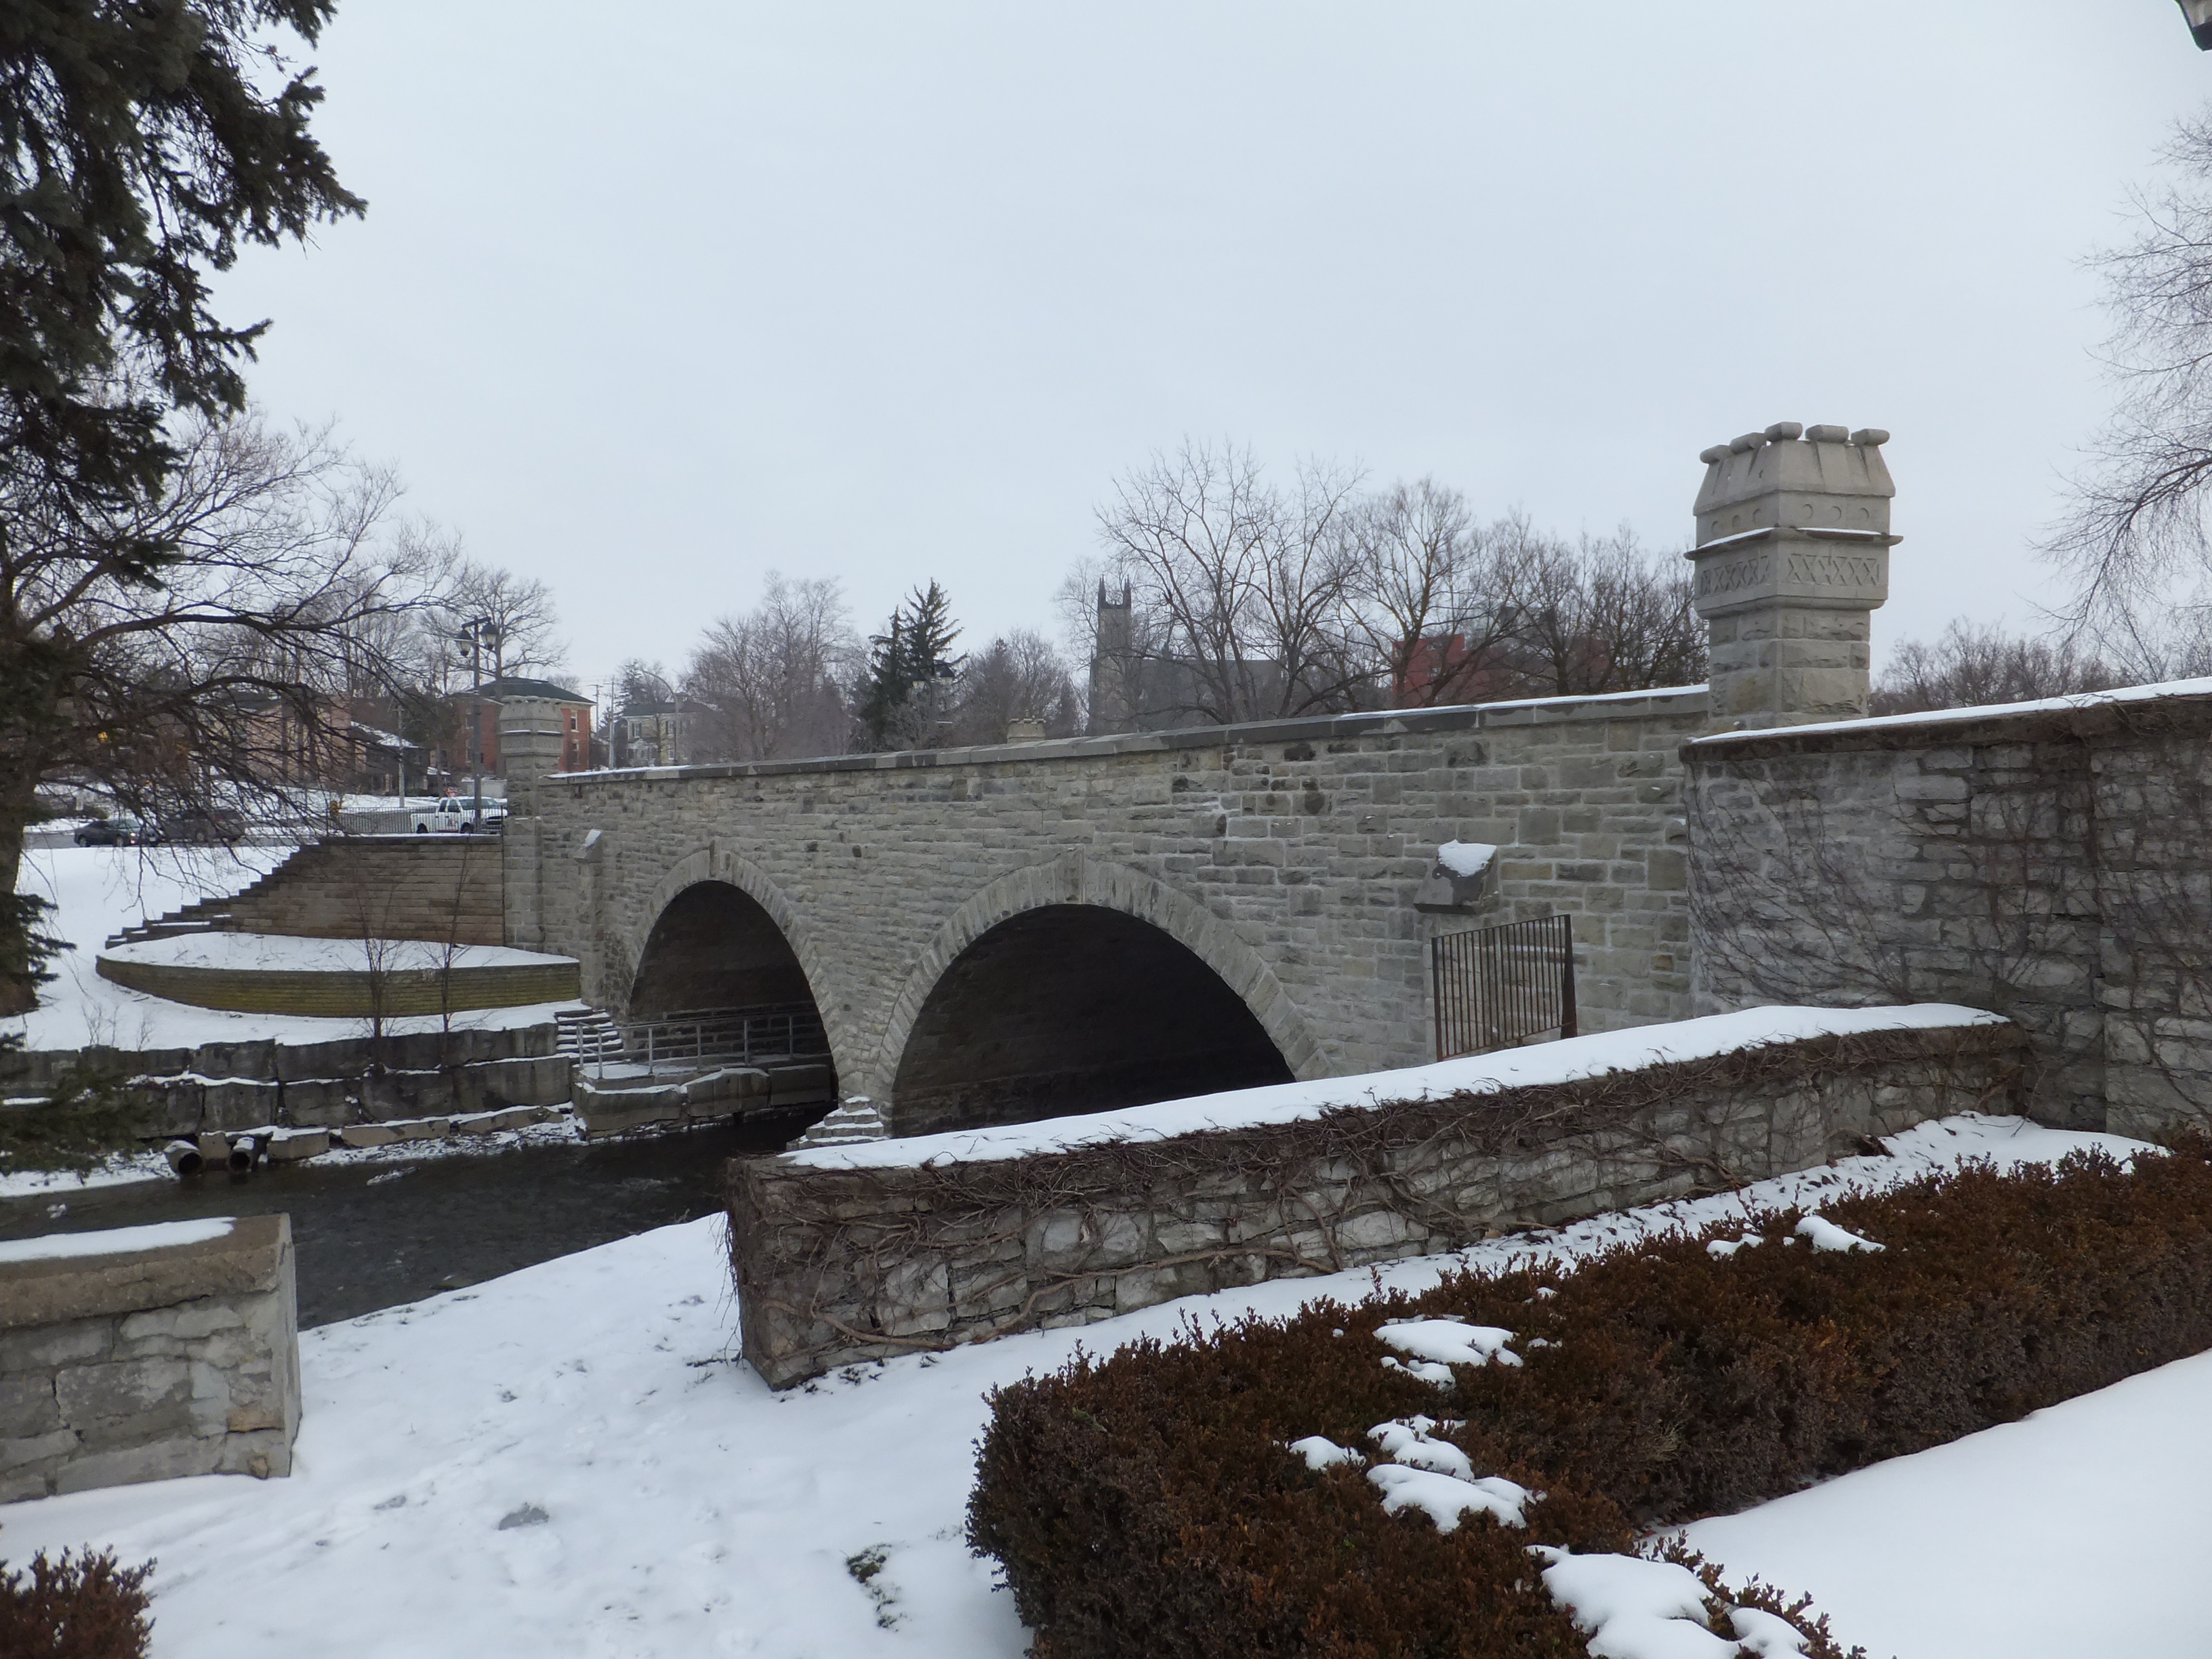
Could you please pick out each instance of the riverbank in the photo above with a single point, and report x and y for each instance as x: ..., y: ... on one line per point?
x: 377, y: 1227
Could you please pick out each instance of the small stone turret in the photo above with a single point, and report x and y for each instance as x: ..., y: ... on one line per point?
x: 529, y: 748
x: 1792, y: 560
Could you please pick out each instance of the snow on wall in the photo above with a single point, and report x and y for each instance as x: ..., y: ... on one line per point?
x: 852, y: 1253
x: 1288, y: 1102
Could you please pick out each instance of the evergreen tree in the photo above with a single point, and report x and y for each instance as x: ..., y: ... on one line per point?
x: 910, y: 666
x: 139, y: 151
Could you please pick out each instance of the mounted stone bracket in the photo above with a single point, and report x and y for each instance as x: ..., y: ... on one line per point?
x: 1456, y: 882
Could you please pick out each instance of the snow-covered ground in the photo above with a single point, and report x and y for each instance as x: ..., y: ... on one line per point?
x: 101, y: 890
x: 568, y: 1462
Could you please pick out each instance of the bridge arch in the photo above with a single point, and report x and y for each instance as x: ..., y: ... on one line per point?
x: 715, y: 933
x: 1138, y: 992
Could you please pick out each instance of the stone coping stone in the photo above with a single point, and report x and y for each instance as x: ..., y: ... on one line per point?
x: 1468, y: 717
x: 53, y: 1290
x: 2083, y: 714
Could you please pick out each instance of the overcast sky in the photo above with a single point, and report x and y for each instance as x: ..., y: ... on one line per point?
x: 651, y: 301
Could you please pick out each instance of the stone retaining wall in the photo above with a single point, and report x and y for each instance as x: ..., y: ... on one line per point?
x: 2048, y: 863
x: 348, y: 993
x: 222, y: 1086
x: 145, y: 1364
x: 612, y: 1107
x: 835, y: 1265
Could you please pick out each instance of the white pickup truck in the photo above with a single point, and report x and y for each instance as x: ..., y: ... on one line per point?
x: 456, y: 815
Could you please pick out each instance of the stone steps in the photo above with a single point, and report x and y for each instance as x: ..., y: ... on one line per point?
x: 587, y: 1035
x: 438, y: 888
x: 855, y: 1119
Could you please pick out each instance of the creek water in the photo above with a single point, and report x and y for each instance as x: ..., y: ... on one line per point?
x: 374, y: 1235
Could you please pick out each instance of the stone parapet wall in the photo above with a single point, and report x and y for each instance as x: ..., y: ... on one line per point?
x: 839, y: 1265
x: 146, y: 1363
x: 1285, y: 855
x: 2048, y: 862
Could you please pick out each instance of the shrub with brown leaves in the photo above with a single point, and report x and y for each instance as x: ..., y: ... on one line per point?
x: 81, y: 1606
x: 1147, y: 1503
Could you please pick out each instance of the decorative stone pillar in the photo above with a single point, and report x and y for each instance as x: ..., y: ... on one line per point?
x: 529, y: 749
x: 1792, y: 559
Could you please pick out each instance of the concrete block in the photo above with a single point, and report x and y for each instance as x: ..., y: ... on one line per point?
x: 292, y: 1146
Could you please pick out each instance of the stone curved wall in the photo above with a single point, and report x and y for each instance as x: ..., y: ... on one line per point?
x: 349, y: 994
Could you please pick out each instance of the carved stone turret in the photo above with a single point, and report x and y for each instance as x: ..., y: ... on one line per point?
x: 1792, y: 559
x: 529, y: 748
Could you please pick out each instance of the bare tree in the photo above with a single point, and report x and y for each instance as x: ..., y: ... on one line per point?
x: 1241, y: 601
x: 1017, y: 677
x: 1599, y: 615
x: 523, y: 637
x: 1429, y: 603
x: 1971, y: 666
x: 1244, y: 583
x: 224, y: 682
x: 2134, y: 538
x: 772, y: 681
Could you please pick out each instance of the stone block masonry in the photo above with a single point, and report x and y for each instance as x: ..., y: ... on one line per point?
x: 1285, y: 856
x: 231, y: 1086
x: 2048, y: 861
x: 148, y: 1353
x: 442, y: 888
x: 894, y: 1254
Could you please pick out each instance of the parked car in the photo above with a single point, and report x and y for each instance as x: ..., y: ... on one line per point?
x: 118, y: 831
x: 456, y: 815
x: 212, y: 826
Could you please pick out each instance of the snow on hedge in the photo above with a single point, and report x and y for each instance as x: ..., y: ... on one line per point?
x: 1286, y: 1103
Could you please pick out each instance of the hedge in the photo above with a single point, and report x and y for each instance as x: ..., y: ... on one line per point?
x: 84, y: 1606
x: 1147, y: 1503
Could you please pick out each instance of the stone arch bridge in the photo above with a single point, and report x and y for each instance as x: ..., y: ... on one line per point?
x: 1029, y: 929
x: 1036, y: 928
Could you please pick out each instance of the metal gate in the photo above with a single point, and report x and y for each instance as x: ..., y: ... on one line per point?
x: 1496, y: 987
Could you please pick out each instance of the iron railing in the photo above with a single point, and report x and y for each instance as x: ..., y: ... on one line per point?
x: 704, y: 1037
x: 1496, y: 987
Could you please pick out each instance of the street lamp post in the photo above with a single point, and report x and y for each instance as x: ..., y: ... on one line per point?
x: 475, y: 633
x: 2199, y: 14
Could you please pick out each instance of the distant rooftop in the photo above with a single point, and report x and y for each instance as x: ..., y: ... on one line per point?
x: 514, y: 686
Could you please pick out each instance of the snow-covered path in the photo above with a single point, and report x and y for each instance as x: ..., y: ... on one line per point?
x: 685, y: 1510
